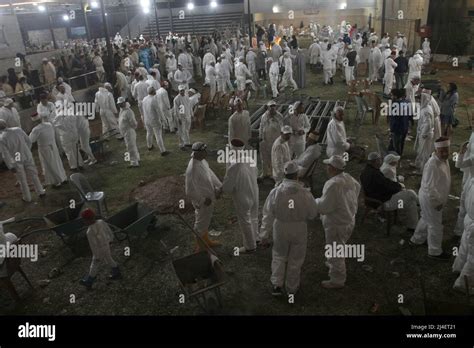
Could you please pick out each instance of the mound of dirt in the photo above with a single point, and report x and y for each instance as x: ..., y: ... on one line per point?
x: 166, y: 195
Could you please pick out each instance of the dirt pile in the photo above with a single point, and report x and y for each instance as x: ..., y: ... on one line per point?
x: 166, y: 195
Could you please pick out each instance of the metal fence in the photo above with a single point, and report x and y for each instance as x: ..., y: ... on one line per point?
x: 28, y: 98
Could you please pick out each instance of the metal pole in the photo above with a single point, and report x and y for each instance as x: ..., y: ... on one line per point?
x: 50, y: 21
x: 86, y: 21
x: 384, y: 6
x: 156, y: 19
x: 250, y: 22
x: 128, y: 23
x: 171, y: 16
x: 110, y: 52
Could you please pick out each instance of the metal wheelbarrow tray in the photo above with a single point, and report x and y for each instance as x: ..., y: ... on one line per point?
x: 65, y: 222
x: 134, y: 219
x: 200, y: 279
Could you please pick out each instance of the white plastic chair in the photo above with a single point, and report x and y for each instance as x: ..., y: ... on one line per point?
x: 87, y: 193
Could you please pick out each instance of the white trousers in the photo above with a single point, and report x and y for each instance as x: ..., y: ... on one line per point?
x: 429, y: 227
x: 84, y: 139
x: 203, y: 216
x: 274, y: 84
x: 349, y: 73
x: 288, y: 80
x: 130, y: 138
x: 73, y: 155
x: 289, y: 251
x: 388, y: 80
x: 408, y: 199
x: 106, y: 259
x: 24, y: 169
x: 157, y: 132
x: 248, y: 223
x: 327, y: 75
x: 464, y: 262
x: 183, y: 132
x: 337, y: 265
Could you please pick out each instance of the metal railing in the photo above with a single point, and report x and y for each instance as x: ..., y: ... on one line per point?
x: 34, y: 92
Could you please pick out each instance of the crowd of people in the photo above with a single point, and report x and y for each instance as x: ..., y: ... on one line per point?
x: 160, y: 76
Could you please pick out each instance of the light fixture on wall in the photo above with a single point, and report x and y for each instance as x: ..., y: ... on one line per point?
x: 41, y: 8
x: 65, y: 17
x: 213, y: 4
x: 94, y: 4
x: 275, y: 9
x: 343, y: 6
x: 190, y: 6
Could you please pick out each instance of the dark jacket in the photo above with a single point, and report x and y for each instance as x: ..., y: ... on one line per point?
x: 376, y: 185
x: 401, y: 123
x: 402, y: 65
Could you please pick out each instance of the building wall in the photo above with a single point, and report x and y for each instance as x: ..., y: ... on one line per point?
x: 412, y: 10
x: 11, y: 41
x: 453, y: 28
x: 332, y: 18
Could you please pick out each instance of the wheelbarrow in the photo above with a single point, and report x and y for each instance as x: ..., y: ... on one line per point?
x: 132, y: 220
x: 201, y: 275
x: 65, y: 222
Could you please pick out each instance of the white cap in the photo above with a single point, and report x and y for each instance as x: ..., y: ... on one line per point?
x: 120, y: 100
x: 286, y: 130
x: 419, y: 52
x: 181, y: 87
x: 248, y: 81
x: 391, y: 158
x: 199, y: 146
x: 44, y: 59
x: 7, y: 101
x: 271, y: 103
x: 107, y: 85
x: 150, y: 89
x: 336, y: 162
x: 444, y: 143
x: 237, y: 100
x: 192, y: 90
x: 373, y: 156
x: 291, y: 167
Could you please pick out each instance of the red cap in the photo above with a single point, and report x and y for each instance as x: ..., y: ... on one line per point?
x: 88, y: 214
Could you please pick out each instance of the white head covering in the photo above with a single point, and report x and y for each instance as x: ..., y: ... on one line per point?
x: 336, y: 162
x: 291, y: 167
x: 391, y: 158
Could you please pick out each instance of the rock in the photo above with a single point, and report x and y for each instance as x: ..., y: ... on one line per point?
x: 43, y: 283
x: 401, y: 242
x: 405, y: 311
x: 46, y: 300
x: 397, y: 260
x: 367, y: 268
x: 375, y: 308
x: 141, y: 183
x: 54, y: 273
